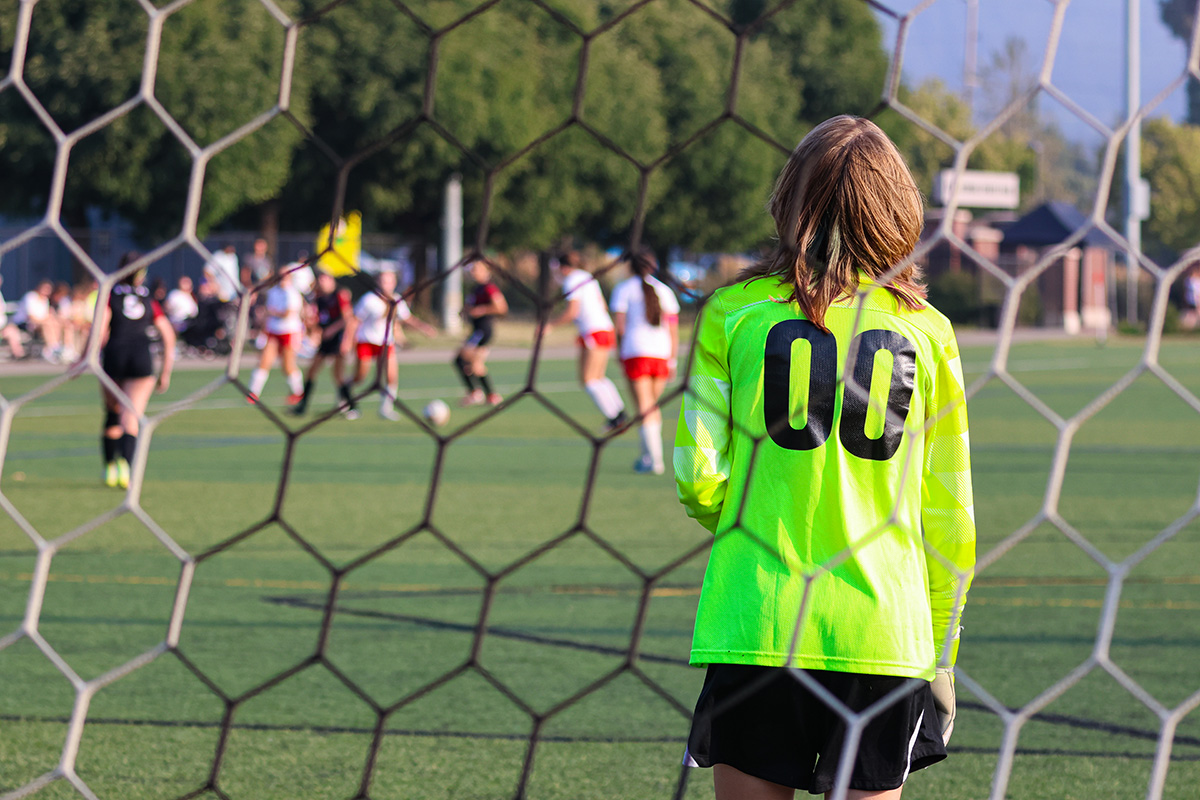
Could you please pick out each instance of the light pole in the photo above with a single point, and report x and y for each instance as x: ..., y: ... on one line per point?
x: 452, y: 225
x: 1133, y: 157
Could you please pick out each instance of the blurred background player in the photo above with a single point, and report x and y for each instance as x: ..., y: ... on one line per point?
x: 284, y: 326
x: 334, y: 318
x: 125, y: 324
x: 483, y: 305
x: 647, y: 318
x: 597, y: 337
x: 376, y: 334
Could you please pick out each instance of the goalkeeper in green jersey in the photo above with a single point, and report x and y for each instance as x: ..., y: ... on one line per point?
x: 823, y: 440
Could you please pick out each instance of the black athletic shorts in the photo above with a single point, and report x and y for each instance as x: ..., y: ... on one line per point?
x: 331, y: 346
x: 766, y: 723
x: 479, y: 337
x: 128, y: 361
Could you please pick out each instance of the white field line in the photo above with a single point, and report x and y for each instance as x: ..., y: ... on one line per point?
x: 547, y: 387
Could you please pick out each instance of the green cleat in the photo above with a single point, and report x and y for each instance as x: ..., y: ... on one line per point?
x: 122, y: 473
x: 110, y: 474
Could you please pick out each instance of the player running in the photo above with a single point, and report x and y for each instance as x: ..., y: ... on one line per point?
x: 647, y: 318
x: 283, y: 327
x: 597, y: 336
x: 842, y: 510
x: 125, y: 324
x: 373, y: 336
x: 483, y: 306
x: 331, y: 306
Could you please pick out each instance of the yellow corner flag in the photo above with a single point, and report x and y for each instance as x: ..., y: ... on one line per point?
x: 340, y: 257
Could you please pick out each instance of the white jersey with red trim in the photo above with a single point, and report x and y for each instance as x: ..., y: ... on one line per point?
x: 582, y: 287
x: 371, y: 312
x: 641, y: 339
x: 285, y: 300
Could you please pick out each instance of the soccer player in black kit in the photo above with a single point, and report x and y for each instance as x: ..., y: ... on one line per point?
x: 125, y: 324
x: 483, y: 305
x: 333, y: 316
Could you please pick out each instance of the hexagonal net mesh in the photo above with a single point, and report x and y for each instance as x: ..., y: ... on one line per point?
x: 494, y: 168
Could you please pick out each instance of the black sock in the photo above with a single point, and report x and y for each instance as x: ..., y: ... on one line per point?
x: 467, y: 378
x: 344, y: 391
x: 128, y: 443
x: 109, y: 448
x: 303, y: 402
x: 485, y: 383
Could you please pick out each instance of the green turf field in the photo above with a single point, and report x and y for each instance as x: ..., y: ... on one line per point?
x: 559, y: 622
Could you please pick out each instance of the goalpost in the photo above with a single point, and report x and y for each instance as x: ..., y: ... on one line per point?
x: 1014, y: 286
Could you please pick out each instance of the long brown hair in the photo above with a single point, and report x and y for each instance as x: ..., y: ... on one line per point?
x: 845, y: 203
x: 644, y: 264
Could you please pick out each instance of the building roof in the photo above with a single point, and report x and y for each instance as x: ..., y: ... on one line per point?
x: 1051, y: 223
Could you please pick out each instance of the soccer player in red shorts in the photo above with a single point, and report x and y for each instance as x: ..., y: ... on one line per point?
x: 597, y: 336
x: 647, y: 317
x: 284, y: 327
x: 374, y: 334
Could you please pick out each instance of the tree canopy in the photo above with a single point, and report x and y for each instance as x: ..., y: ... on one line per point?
x: 1171, y: 159
x: 85, y: 58
x: 655, y: 83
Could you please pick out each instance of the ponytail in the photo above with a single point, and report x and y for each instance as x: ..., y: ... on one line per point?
x: 644, y: 265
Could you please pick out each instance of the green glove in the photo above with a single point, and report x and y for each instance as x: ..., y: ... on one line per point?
x: 943, y: 700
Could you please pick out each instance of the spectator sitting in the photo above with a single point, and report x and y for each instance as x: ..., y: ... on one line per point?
x: 181, y: 305
x: 8, y: 331
x: 222, y: 269
x: 78, y: 316
x: 60, y: 304
x: 256, y: 265
x: 37, y: 317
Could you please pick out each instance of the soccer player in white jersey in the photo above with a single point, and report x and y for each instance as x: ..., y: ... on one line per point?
x: 597, y: 336
x: 375, y: 333
x: 823, y: 441
x: 646, y: 313
x: 284, y: 326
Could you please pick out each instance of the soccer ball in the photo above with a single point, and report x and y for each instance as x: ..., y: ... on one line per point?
x: 437, y: 413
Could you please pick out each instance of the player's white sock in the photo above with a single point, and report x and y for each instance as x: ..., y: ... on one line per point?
x: 600, y: 395
x: 614, y: 397
x: 388, y: 399
x: 258, y: 379
x: 296, y: 382
x: 652, y: 443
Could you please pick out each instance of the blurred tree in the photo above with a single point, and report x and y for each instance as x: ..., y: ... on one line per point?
x: 1180, y: 17
x: 653, y: 82
x: 85, y: 58
x: 504, y: 78
x: 1171, y: 160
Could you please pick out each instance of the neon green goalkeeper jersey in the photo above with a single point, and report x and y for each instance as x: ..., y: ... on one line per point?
x: 844, y: 521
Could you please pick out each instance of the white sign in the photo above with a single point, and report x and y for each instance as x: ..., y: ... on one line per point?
x: 979, y: 189
x: 1141, y: 199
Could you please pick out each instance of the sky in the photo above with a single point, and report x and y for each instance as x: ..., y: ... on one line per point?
x: 1090, y: 62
